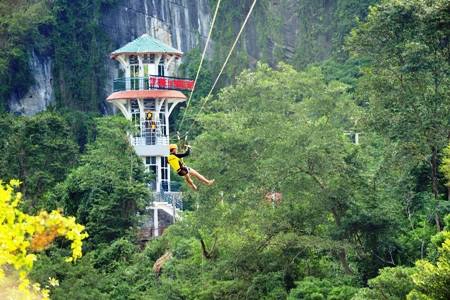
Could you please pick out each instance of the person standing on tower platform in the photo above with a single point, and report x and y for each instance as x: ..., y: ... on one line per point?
x: 150, y: 126
x: 176, y: 162
x: 149, y: 120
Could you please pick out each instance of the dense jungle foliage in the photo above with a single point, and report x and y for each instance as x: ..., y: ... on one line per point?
x: 366, y: 220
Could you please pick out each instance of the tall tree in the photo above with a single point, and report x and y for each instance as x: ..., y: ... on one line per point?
x: 406, y: 80
x: 286, y: 132
x: 38, y: 150
x: 108, y: 189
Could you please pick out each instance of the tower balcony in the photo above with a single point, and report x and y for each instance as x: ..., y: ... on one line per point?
x: 153, y: 82
x: 149, y: 139
x: 149, y: 132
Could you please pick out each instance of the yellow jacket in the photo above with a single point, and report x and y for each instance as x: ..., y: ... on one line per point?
x: 176, y: 160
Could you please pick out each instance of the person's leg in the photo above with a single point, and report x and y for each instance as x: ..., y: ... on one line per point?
x: 189, y: 181
x: 200, y: 177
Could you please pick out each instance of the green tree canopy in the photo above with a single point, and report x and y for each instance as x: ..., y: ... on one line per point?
x: 108, y: 189
x: 39, y: 150
x: 406, y: 82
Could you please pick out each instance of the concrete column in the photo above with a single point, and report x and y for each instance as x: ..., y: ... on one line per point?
x: 123, y: 109
x: 166, y: 116
x: 158, y: 174
x: 168, y: 177
x: 177, y: 64
x: 171, y: 66
x: 122, y: 59
x: 172, y: 107
x: 174, y: 210
x: 155, y: 221
x: 124, y: 62
x: 158, y: 104
x: 141, y: 72
x: 141, y: 115
x: 157, y: 59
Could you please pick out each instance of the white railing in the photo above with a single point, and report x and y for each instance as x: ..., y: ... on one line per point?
x: 149, y: 140
x: 171, y: 198
x: 162, y: 140
x: 149, y: 133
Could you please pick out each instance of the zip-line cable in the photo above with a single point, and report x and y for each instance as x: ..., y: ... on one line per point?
x: 223, y: 66
x: 201, y: 62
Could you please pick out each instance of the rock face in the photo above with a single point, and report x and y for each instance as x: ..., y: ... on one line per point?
x: 40, y: 95
x: 182, y: 24
x: 295, y: 31
x: 179, y: 23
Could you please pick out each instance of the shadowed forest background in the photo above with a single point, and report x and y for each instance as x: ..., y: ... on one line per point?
x: 357, y: 220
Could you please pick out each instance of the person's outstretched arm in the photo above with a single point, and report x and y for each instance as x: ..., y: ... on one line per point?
x: 180, y: 155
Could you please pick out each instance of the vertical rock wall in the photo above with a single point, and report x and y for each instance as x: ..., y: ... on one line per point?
x: 296, y: 31
x: 183, y: 24
x: 180, y: 23
x: 40, y: 94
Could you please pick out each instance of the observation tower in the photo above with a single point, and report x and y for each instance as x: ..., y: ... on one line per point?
x: 146, y: 91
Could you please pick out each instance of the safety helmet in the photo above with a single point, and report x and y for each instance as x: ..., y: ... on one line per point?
x: 173, y: 146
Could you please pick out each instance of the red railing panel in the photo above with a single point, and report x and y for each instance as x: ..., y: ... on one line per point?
x: 160, y: 82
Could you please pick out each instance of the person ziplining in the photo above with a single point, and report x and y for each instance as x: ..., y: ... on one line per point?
x: 176, y: 160
x: 177, y: 164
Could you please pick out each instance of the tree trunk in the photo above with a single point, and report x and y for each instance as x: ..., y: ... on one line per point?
x: 342, y: 254
x: 208, y: 254
x: 343, y: 259
x: 435, y: 186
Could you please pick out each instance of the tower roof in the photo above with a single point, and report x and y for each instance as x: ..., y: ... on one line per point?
x: 145, y: 44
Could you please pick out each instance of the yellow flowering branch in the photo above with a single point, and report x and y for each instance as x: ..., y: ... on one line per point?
x: 22, y: 235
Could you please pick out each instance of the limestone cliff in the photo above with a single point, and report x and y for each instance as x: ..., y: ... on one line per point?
x: 40, y: 94
x: 180, y: 23
x: 296, y: 31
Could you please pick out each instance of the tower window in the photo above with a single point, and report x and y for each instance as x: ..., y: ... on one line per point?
x: 152, y: 167
x: 165, y: 175
x: 133, y: 59
x: 149, y: 104
x: 149, y: 58
x: 150, y: 160
x: 161, y: 67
